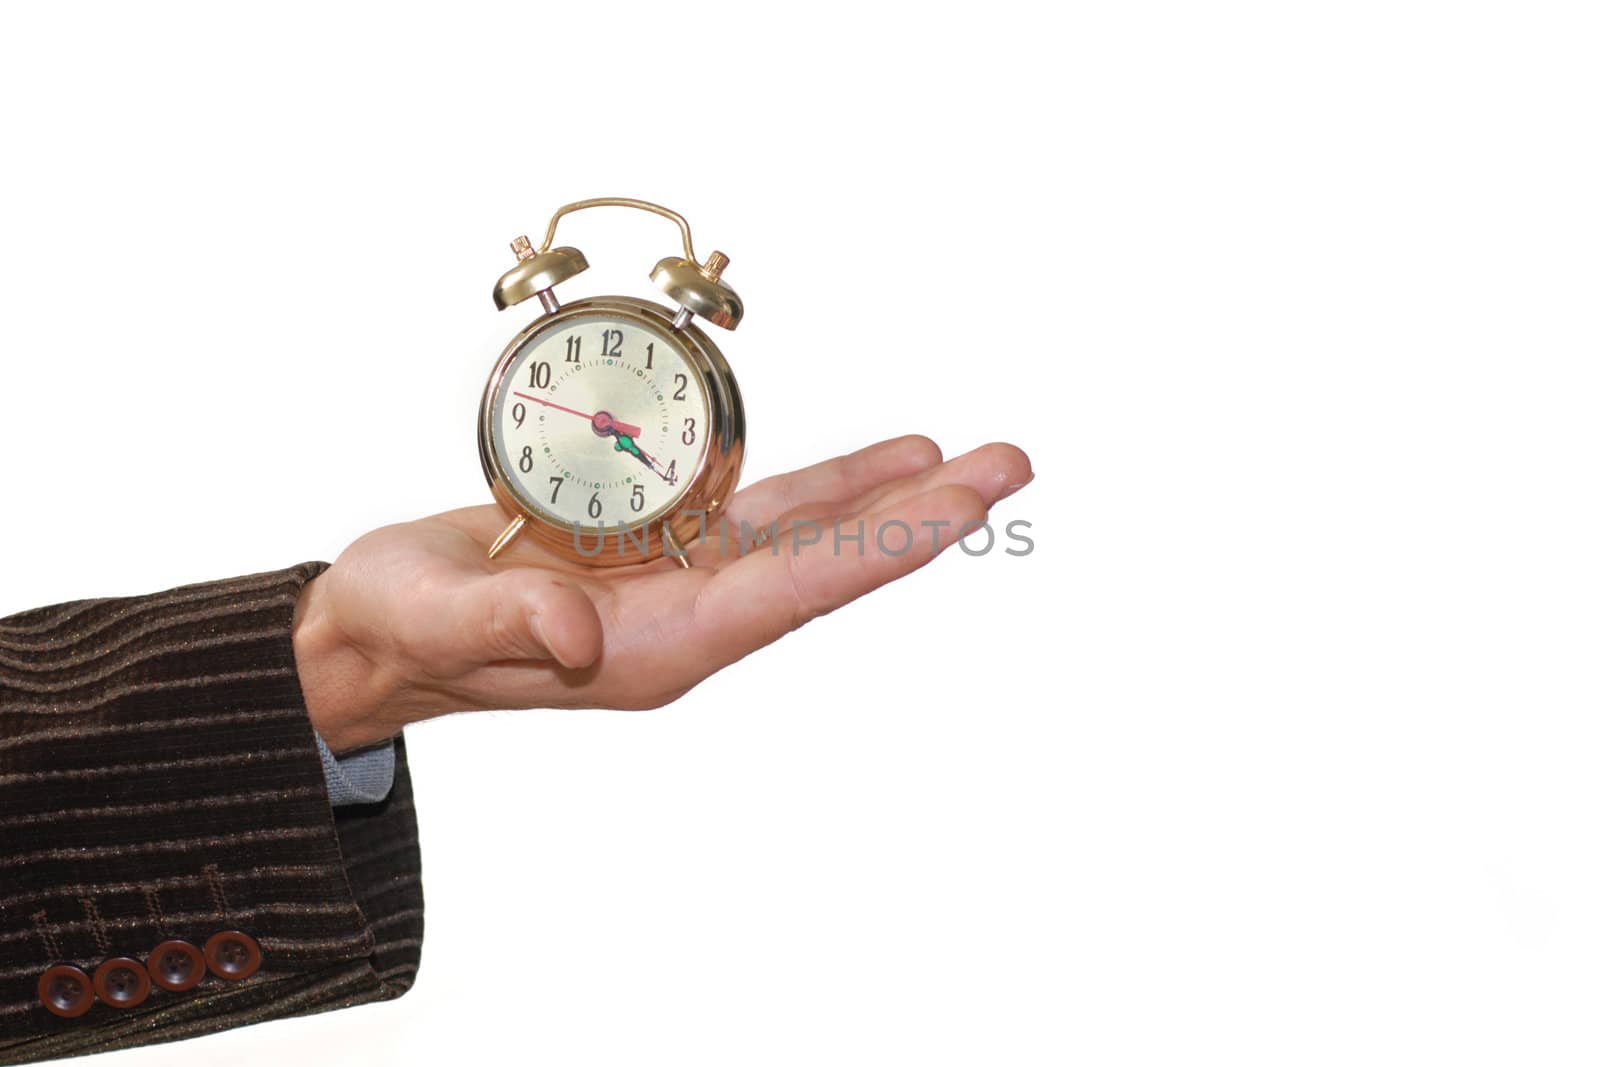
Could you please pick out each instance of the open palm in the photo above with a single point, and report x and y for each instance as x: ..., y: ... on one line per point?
x: 414, y: 620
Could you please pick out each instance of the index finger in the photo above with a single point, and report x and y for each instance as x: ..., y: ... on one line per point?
x: 837, y: 479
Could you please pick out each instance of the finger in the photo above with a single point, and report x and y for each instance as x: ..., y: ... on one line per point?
x: 521, y: 614
x: 993, y: 471
x: 756, y: 600
x: 727, y: 542
x: 840, y: 478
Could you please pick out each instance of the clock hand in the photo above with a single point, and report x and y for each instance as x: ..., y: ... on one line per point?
x: 606, y: 426
x: 602, y: 421
x: 627, y: 444
x: 603, y: 424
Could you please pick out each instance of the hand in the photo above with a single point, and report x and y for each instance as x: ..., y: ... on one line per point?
x: 414, y: 621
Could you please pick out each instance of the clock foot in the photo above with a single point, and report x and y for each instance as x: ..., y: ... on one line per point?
x: 674, y: 548
x: 508, y: 535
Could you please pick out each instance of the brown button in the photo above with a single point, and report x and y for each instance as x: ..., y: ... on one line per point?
x: 233, y: 955
x: 176, y: 965
x: 122, y: 983
x: 66, y: 991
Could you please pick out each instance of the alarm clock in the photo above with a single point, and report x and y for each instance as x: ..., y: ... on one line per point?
x: 611, y: 429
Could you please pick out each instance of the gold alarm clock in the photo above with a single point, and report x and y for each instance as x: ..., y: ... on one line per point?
x: 611, y: 430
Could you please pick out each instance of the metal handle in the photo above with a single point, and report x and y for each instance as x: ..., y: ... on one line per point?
x: 622, y: 201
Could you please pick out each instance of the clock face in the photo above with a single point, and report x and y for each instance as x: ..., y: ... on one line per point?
x: 599, y: 419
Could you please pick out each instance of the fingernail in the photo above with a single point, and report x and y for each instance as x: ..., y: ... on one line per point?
x: 1014, y: 486
x: 538, y: 631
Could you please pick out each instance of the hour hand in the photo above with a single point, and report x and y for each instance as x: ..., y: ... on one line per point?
x: 604, y: 424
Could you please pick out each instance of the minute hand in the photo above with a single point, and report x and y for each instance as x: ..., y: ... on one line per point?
x: 629, y: 445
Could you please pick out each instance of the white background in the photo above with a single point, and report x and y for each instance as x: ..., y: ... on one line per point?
x: 1279, y: 749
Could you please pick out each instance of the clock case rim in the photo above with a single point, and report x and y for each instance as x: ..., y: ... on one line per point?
x: 709, y: 488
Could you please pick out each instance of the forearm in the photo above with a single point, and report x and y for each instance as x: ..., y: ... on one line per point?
x: 159, y: 780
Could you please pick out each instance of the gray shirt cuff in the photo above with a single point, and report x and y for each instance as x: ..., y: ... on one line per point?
x: 364, y: 776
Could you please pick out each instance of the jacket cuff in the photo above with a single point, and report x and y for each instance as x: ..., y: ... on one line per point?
x: 160, y: 780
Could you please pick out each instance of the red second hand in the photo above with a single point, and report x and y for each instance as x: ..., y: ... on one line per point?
x: 655, y: 465
x: 621, y: 427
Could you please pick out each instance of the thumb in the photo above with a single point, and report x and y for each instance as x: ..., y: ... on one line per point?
x: 526, y: 614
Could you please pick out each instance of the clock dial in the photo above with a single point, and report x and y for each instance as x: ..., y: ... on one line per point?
x: 600, y: 419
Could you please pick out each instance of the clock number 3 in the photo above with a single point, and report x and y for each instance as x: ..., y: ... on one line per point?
x: 688, y: 431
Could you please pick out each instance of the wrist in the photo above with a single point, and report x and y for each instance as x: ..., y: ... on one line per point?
x: 347, y: 696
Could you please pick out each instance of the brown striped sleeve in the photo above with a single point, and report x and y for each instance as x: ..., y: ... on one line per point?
x: 159, y: 780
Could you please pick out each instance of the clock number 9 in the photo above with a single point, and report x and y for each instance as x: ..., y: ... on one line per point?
x: 519, y: 412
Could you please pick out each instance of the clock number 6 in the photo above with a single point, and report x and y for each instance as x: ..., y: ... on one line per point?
x: 594, y: 505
